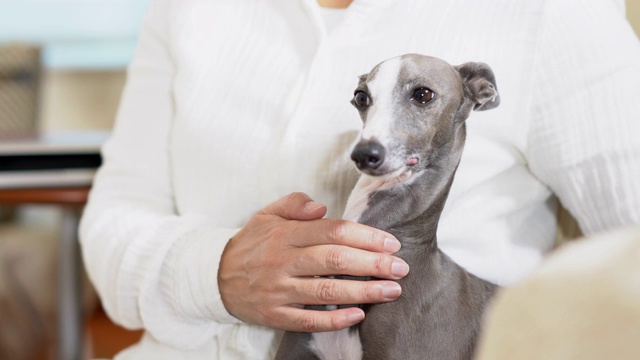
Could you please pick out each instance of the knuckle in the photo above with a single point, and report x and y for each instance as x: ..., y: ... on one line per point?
x: 307, y: 322
x: 337, y: 230
x: 271, y: 315
x: 292, y: 196
x: 262, y: 315
x: 296, y: 197
x: 368, y: 293
x: 271, y: 289
x: 295, y: 266
x: 375, y: 240
x: 378, y: 264
x: 328, y: 291
x: 276, y: 232
x: 280, y: 233
x: 335, y: 323
x: 266, y: 318
x: 336, y: 259
x: 277, y: 320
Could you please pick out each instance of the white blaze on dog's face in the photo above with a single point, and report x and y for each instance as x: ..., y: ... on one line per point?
x: 380, y: 114
x: 411, y: 106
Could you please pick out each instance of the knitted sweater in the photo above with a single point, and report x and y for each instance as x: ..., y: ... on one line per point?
x: 230, y: 105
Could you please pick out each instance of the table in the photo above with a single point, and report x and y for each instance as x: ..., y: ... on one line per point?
x: 56, y: 169
x: 71, y: 200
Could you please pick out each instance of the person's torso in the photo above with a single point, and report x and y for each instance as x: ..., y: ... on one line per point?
x: 262, y: 109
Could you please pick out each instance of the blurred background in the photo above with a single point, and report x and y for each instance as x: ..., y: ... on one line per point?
x: 86, y: 45
x: 62, y: 68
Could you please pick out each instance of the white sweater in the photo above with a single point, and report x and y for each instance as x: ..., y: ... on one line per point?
x: 230, y: 105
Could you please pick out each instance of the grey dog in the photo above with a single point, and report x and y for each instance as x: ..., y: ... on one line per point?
x: 414, y: 109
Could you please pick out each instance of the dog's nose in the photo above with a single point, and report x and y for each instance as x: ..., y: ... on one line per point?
x: 368, y: 155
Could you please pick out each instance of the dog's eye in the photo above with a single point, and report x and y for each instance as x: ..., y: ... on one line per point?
x: 422, y: 96
x: 361, y: 99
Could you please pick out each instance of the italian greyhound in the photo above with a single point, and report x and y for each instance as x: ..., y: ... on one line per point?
x: 414, y: 109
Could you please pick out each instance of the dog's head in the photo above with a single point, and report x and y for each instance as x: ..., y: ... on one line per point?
x: 414, y: 105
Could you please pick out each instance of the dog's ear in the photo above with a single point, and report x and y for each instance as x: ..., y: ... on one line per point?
x: 362, y: 78
x: 481, y: 83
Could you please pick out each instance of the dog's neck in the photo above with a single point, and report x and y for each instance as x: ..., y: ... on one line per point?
x: 409, y: 207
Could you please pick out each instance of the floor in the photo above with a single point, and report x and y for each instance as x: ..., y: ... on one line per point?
x: 105, y: 338
x: 28, y: 241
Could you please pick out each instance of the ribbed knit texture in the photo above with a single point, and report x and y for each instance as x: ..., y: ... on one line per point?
x: 230, y: 105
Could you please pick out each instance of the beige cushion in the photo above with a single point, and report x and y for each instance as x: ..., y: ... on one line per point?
x: 583, y: 303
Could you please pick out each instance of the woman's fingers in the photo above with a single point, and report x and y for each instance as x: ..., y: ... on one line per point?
x: 330, y: 291
x: 344, y: 260
x: 343, y: 232
x: 292, y: 318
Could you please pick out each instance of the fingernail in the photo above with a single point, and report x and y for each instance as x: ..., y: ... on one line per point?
x: 312, y: 206
x: 391, y: 291
x: 355, y: 317
x: 399, y: 268
x: 391, y: 245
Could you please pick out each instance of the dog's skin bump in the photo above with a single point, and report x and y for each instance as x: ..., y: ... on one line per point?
x: 403, y: 192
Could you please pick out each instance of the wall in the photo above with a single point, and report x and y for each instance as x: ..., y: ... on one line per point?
x: 86, y: 100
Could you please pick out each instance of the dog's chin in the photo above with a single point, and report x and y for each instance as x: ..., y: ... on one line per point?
x: 395, y: 174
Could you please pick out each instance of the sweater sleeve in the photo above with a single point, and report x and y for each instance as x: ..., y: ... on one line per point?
x: 586, y: 115
x: 153, y: 267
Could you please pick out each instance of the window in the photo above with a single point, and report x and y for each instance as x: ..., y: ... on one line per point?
x: 75, y: 34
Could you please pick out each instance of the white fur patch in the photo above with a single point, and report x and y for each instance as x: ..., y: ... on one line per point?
x: 380, y: 114
x: 358, y: 201
x: 367, y: 185
x: 337, y: 345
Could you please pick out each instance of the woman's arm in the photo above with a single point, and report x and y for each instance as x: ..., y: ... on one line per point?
x: 147, y: 263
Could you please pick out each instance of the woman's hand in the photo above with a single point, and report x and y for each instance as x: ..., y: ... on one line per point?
x: 267, y: 270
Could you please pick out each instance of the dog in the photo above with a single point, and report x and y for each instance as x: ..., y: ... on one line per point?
x: 413, y: 109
